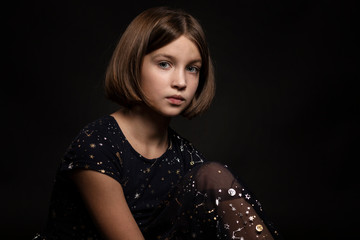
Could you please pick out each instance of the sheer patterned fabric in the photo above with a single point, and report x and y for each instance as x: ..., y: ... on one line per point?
x: 211, y: 203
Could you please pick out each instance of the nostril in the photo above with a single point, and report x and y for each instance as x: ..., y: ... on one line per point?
x: 180, y: 87
x: 179, y: 84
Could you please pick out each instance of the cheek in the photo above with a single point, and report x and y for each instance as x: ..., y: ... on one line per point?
x: 152, y: 87
x: 148, y: 82
x: 194, y: 86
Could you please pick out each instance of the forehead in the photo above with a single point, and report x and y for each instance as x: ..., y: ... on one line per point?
x: 180, y: 48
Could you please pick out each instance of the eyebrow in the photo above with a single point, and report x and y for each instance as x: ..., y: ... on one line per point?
x: 173, y: 58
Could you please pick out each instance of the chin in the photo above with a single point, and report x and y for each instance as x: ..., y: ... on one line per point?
x: 171, y: 112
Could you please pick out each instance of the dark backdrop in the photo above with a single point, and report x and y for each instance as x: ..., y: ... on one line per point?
x: 283, y: 118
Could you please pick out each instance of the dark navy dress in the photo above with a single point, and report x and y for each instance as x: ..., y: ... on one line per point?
x: 176, y: 196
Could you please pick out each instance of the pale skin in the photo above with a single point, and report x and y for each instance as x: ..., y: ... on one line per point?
x: 169, y: 79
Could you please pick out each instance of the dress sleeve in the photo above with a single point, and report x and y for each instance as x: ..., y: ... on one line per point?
x: 94, y: 149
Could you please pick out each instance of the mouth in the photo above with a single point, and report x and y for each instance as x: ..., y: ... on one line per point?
x: 176, y: 99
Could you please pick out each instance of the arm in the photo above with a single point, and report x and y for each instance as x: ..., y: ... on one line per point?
x: 106, y: 202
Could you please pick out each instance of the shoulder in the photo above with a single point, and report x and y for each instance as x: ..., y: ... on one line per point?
x: 102, y: 130
x: 95, y: 143
x: 96, y: 148
x: 105, y: 125
x: 190, y: 153
x: 180, y: 141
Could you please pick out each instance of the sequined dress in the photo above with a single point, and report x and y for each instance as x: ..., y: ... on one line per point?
x: 179, y: 195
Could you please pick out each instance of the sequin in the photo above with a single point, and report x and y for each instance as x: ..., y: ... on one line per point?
x: 232, y: 192
x: 259, y: 228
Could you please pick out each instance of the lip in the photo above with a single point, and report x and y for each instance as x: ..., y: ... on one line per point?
x: 176, y: 99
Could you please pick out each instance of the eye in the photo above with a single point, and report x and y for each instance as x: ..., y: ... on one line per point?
x: 193, y: 69
x: 164, y: 65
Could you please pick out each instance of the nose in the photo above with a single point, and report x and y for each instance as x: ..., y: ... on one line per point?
x: 179, y: 80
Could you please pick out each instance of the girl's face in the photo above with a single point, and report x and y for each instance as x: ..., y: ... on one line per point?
x: 170, y: 76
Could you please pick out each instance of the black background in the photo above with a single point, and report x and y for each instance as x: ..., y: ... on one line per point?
x: 283, y: 118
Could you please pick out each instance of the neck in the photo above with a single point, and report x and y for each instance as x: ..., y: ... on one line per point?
x: 146, y: 130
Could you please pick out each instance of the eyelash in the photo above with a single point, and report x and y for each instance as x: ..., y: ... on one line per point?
x: 189, y: 68
x: 197, y: 70
x: 162, y: 63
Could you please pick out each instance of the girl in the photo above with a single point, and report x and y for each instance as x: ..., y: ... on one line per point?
x: 128, y: 175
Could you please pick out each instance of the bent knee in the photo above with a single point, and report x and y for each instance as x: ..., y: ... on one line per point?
x: 214, y: 175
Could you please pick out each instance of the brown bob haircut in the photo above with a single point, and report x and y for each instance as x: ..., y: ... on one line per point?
x: 149, y: 31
